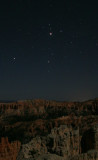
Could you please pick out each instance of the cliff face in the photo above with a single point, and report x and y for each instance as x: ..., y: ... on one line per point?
x: 64, y: 142
x: 48, y: 109
x: 9, y: 151
x: 43, y: 128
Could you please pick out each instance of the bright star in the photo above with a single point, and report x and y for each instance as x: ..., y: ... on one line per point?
x: 50, y: 33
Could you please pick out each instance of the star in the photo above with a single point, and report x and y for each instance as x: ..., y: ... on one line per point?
x: 12, y: 60
x: 61, y: 31
x: 50, y: 33
x: 48, y: 61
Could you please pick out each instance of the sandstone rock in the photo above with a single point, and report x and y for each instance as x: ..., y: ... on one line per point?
x: 90, y: 155
x: 48, y: 129
x: 63, y: 141
x: 9, y: 151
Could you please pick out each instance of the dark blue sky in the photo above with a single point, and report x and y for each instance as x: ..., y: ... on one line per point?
x: 48, y: 49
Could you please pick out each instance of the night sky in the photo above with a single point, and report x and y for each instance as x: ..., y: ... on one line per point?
x: 48, y: 50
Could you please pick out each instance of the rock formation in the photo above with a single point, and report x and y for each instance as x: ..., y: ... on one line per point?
x: 41, y: 129
x: 9, y: 151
